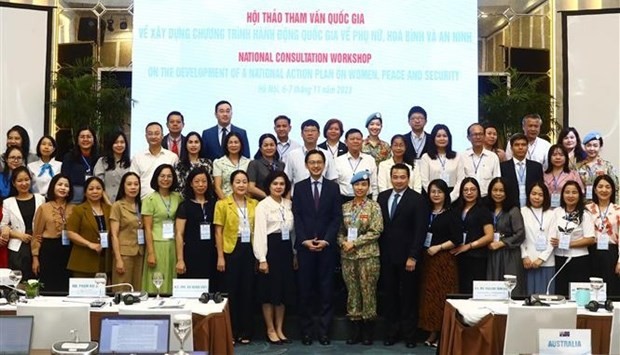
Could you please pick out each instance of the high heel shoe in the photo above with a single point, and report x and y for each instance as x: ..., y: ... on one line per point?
x: 273, y: 342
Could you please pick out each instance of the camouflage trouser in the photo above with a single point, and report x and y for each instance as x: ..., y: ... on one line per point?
x: 361, y: 276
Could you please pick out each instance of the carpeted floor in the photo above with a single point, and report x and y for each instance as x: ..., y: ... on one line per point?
x: 336, y: 347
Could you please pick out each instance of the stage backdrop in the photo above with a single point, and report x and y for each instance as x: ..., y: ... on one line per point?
x: 306, y: 59
x: 25, y: 43
x: 591, y: 47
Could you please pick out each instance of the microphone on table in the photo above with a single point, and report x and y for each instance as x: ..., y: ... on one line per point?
x: 553, y: 298
x: 141, y: 296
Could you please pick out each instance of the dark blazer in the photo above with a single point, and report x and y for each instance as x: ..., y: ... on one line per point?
x: 310, y: 223
x: 410, y: 153
x: 342, y: 148
x: 533, y: 173
x: 403, y: 235
x: 211, y: 148
x: 83, y: 222
x: 164, y: 142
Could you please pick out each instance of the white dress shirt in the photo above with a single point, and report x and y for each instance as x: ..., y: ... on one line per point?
x: 536, y: 151
x: 145, y: 163
x: 483, y: 167
x: 295, y: 166
x: 270, y: 217
x: 532, y: 219
x: 347, y: 166
x: 449, y: 170
x: 41, y: 179
x: 384, y: 180
x: 286, y: 147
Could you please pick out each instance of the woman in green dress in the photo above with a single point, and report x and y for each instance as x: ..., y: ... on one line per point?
x: 158, y: 212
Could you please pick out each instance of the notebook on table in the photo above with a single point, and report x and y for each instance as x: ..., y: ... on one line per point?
x: 134, y: 334
x: 15, y: 334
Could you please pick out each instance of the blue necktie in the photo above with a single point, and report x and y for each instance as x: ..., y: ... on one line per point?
x: 45, y: 167
x: 394, y: 205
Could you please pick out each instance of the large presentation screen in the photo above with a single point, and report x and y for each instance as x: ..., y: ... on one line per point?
x: 305, y: 59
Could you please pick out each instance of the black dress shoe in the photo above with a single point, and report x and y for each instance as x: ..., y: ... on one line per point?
x: 306, y: 340
x: 274, y: 342
x: 389, y: 342
x: 411, y: 344
x: 324, y: 340
x: 286, y: 341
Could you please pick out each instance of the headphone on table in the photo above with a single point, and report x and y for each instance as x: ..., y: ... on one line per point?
x: 128, y: 299
x: 534, y: 302
x: 216, y: 297
x: 594, y: 306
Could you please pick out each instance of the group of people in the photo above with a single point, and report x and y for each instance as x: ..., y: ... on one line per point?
x: 411, y: 215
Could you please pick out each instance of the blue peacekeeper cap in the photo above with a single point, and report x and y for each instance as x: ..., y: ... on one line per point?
x: 591, y: 136
x: 376, y: 115
x: 359, y: 176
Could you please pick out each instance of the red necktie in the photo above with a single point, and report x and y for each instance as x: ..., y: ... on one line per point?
x: 175, y: 147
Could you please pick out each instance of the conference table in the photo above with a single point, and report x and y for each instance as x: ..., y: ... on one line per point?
x: 212, y: 331
x: 479, y: 327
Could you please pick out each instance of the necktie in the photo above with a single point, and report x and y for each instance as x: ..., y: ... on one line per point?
x: 46, y: 167
x: 315, y: 195
x: 394, y: 205
x: 521, y: 172
x: 224, y: 132
x: 175, y: 147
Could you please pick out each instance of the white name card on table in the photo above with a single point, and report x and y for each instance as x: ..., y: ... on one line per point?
x: 189, y: 288
x: 564, y: 341
x: 84, y: 287
x: 602, y: 293
x: 490, y: 290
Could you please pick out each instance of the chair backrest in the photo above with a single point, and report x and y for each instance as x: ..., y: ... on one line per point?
x: 523, y: 323
x: 54, y: 321
x: 614, y: 337
x: 142, y: 309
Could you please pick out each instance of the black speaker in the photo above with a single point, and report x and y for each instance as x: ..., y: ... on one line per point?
x: 216, y: 297
x: 593, y: 306
x: 87, y: 30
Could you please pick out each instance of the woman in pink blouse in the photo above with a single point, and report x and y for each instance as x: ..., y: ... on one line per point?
x: 558, y: 173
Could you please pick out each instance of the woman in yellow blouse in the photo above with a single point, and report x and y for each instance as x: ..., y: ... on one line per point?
x: 50, y: 246
x: 234, y: 223
x: 87, y: 229
x: 126, y: 233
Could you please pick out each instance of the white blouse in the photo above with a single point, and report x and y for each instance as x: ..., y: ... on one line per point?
x: 452, y: 171
x: 583, y: 230
x: 270, y: 217
x: 41, y: 178
x: 532, y: 218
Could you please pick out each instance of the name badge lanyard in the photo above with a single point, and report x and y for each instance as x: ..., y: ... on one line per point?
x: 539, y: 220
x: 463, y: 218
x: 283, y: 215
x: 417, y: 148
x: 476, y: 166
x: 243, y: 212
x: 432, y: 218
x: 204, y: 213
x: 496, y: 217
x: 556, y: 182
x: 88, y: 168
x: 531, y: 152
x: 603, y: 217
x: 138, y: 216
x: 442, y: 162
x: 359, y: 160
x: 100, y: 221
x: 168, y: 205
x: 282, y: 150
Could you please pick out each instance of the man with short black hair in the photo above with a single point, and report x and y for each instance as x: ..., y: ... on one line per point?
x: 520, y: 172
x: 213, y: 137
x: 174, y: 140
x: 405, y: 218
x: 537, y: 148
x: 295, y: 168
x: 145, y: 163
x: 352, y: 162
x: 318, y: 214
x: 417, y: 140
x: 282, y: 127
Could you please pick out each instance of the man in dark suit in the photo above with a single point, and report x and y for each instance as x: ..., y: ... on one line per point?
x: 405, y: 218
x: 519, y: 172
x: 174, y: 140
x: 318, y: 215
x: 417, y: 140
x: 213, y: 137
